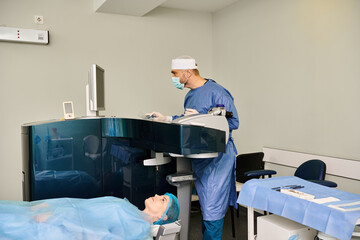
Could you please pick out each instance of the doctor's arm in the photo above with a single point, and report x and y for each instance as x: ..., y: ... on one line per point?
x: 159, y: 117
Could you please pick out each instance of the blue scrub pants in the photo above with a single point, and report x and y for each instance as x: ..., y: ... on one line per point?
x: 212, y: 230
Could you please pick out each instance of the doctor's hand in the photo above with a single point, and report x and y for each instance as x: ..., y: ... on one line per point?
x: 190, y: 111
x: 159, y: 117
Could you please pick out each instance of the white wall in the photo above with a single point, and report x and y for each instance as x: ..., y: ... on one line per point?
x: 135, y: 52
x: 293, y: 68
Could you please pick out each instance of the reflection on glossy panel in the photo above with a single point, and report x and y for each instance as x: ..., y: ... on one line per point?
x: 99, y: 157
x: 73, y: 159
x: 165, y: 137
x: 125, y: 175
x: 65, y: 159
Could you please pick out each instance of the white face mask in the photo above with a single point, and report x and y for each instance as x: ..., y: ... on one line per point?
x: 177, y: 84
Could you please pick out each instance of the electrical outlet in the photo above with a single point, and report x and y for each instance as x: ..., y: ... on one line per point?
x: 39, y: 19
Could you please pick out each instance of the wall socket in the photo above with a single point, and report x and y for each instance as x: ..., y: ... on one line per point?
x: 39, y: 19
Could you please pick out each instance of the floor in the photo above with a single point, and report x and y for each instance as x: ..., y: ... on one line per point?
x: 240, y: 224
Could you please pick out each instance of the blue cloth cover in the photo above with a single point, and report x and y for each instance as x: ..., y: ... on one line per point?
x: 70, y: 218
x: 258, y: 193
x: 215, y: 177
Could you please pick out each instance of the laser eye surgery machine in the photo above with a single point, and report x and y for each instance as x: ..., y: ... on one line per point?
x: 122, y: 157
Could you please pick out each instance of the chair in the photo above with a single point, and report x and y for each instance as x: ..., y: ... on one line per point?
x: 248, y: 166
x: 92, y: 152
x: 251, y: 165
x: 314, y: 171
x: 248, y: 162
x: 91, y: 145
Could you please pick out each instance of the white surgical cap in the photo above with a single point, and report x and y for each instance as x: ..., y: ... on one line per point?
x: 183, y: 62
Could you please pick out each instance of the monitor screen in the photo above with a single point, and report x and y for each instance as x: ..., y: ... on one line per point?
x: 68, y: 107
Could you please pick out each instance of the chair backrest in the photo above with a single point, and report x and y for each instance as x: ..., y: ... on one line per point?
x: 91, y: 144
x: 248, y: 162
x: 311, y: 170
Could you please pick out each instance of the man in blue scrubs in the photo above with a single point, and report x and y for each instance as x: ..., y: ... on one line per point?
x: 215, y: 182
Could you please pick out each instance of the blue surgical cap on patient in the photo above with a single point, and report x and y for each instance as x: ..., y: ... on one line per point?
x: 172, y: 211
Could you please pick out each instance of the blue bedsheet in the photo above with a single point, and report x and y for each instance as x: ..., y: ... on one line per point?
x: 70, y: 218
x: 261, y: 194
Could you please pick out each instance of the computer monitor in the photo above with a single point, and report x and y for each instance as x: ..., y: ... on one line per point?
x: 95, y: 91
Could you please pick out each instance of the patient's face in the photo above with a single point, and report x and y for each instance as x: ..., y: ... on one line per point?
x: 157, y: 204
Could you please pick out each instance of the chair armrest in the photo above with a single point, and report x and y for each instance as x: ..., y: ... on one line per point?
x: 259, y: 173
x: 324, y: 183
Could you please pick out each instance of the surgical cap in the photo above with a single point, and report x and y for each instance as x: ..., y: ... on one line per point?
x: 172, y: 211
x: 183, y: 63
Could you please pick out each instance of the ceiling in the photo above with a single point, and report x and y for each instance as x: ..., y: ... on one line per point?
x: 142, y: 7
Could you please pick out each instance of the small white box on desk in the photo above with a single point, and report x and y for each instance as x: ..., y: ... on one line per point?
x: 272, y: 227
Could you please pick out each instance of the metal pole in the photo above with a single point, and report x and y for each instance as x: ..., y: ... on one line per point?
x: 250, y: 223
x: 184, y: 197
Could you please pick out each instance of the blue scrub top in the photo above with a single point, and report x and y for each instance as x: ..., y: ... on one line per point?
x: 215, y: 182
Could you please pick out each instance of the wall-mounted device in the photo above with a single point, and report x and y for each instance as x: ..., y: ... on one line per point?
x: 68, y: 108
x: 10, y: 34
x: 95, y: 91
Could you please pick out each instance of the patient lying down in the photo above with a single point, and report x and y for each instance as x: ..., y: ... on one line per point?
x: 97, y: 218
